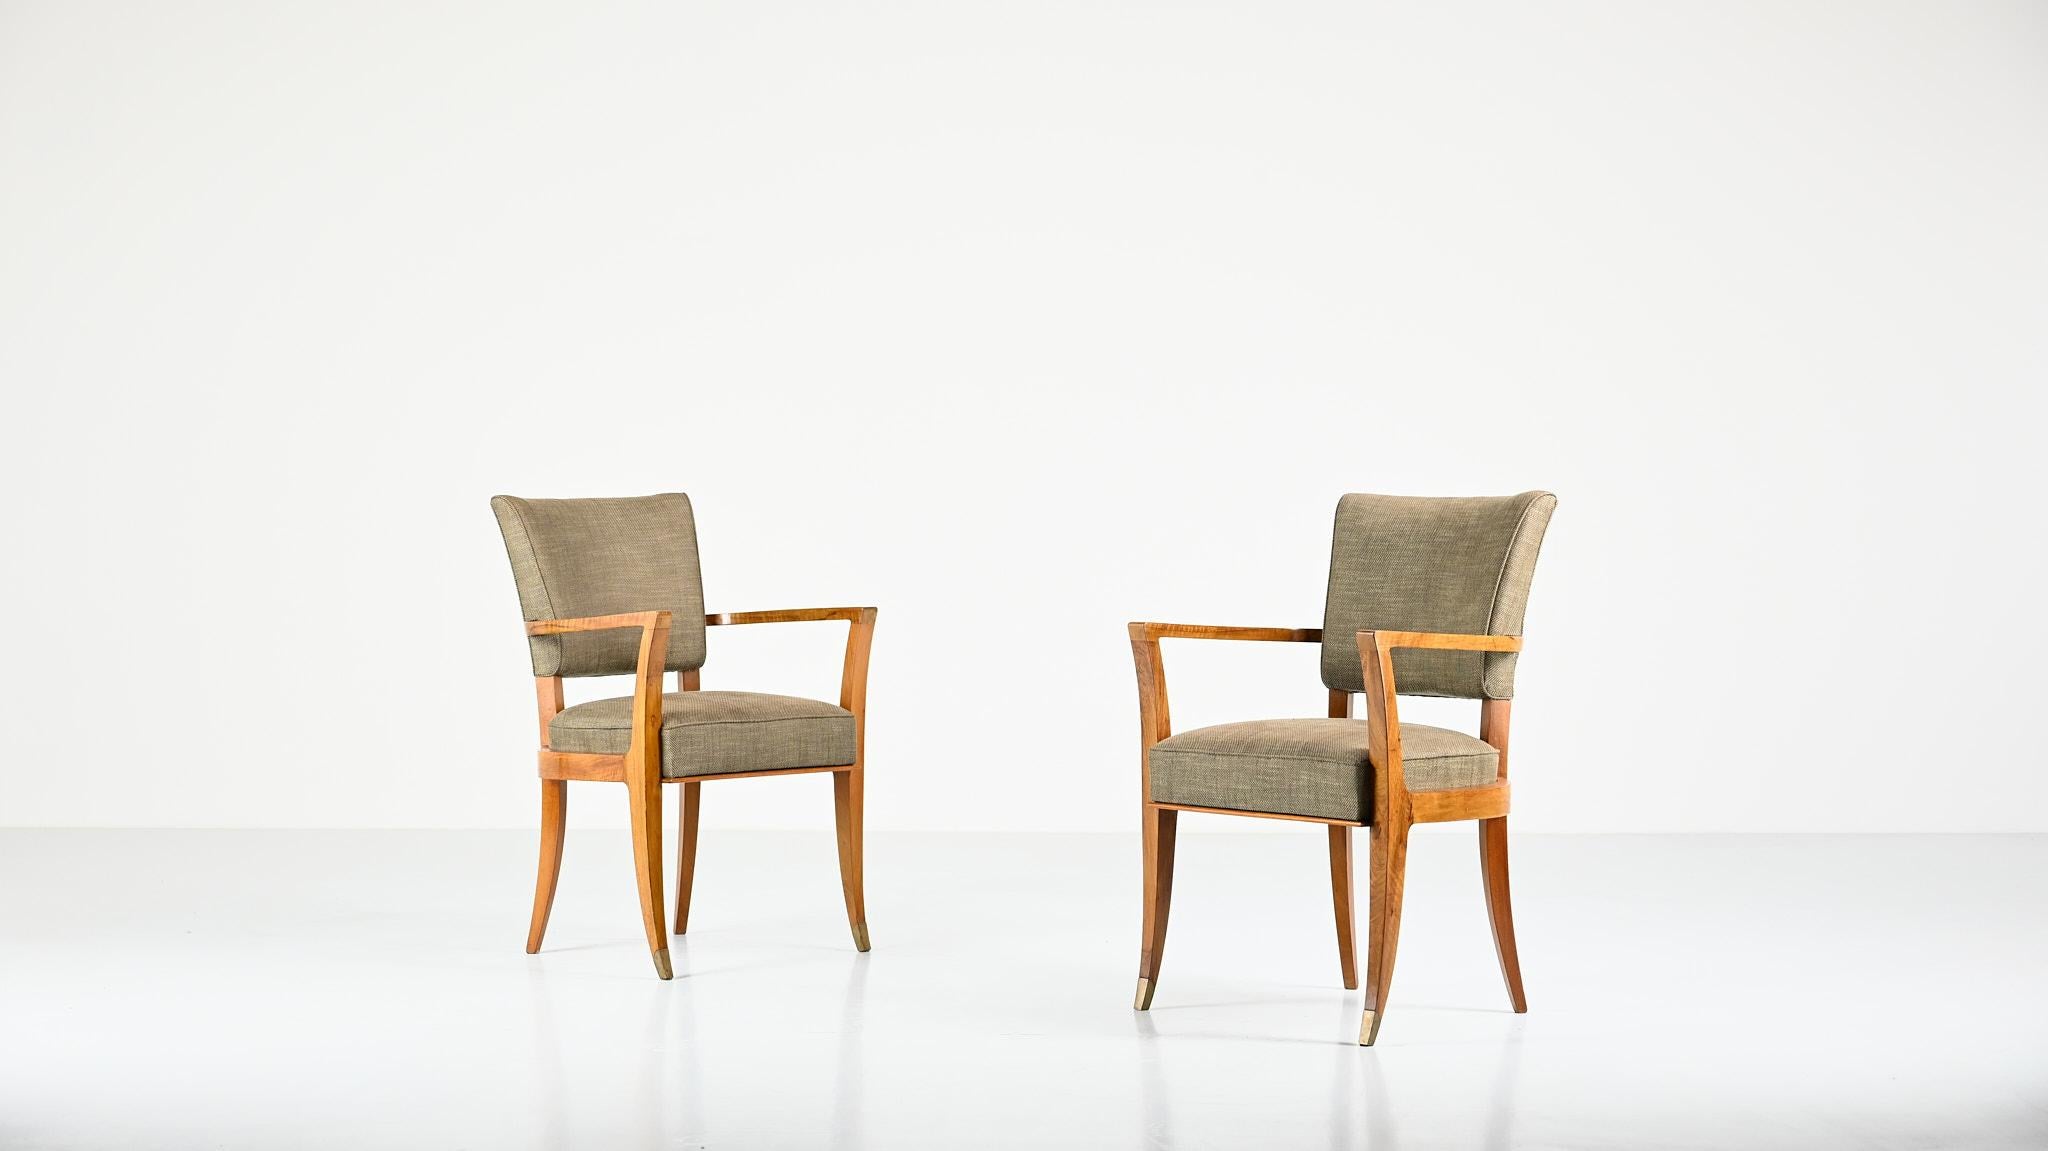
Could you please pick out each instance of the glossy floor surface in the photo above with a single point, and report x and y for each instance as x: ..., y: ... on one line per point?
x: 368, y: 989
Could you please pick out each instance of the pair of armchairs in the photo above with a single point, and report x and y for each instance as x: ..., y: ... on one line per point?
x: 1426, y: 597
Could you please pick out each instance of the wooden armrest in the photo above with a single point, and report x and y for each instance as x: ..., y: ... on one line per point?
x: 643, y: 751
x: 1439, y: 641
x: 1144, y: 632
x: 1154, y: 720
x: 1376, y: 660
x: 853, y: 675
x: 639, y: 619
x: 792, y: 615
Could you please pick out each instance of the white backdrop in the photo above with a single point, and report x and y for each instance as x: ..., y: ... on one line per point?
x: 1022, y: 320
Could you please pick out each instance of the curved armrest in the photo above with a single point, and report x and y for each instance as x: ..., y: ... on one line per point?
x: 853, y: 674
x: 1376, y: 658
x: 643, y: 754
x: 1154, y: 716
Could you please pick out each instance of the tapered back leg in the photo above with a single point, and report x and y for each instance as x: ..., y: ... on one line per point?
x: 1493, y: 866
x: 688, y: 802
x: 1340, y: 873
x: 1340, y: 894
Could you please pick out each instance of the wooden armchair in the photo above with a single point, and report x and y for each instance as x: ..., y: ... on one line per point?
x: 1459, y: 568
x: 611, y: 587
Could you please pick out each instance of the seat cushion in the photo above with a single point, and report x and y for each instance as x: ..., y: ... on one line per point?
x: 1312, y: 767
x: 707, y: 732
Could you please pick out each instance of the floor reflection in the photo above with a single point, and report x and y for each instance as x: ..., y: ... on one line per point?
x: 1359, y: 1091
x: 1507, y: 1075
x: 664, y: 1093
x: 684, y: 1052
x: 550, y: 1095
x: 849, y: 1111
x: 1156, y: 1120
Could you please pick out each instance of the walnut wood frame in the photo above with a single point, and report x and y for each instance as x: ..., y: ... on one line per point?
x: 640, y: 770
x: 1395, y: 808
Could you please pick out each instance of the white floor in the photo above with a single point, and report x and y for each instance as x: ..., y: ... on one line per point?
x: 368, y: 989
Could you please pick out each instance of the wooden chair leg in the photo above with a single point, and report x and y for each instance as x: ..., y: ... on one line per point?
x: 1340, y: 892
x: 1160, y: 827
x: 554, y: 817
x: 643, y: 806
x: 846, y: 804
x: 1493, y: 866
x: 686, y: 851
x: 1389, y: 864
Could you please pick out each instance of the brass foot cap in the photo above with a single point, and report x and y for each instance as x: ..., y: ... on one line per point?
x: 1142, y: 1001
x: 661, y: 966
x: 1368, y: 1029
x: 860, y: 937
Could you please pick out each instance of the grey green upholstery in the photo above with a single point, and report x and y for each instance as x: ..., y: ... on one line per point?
x: 1313, y: 767
x: 1407, y: 563
x: 574, y: 558
x: 708, y: 732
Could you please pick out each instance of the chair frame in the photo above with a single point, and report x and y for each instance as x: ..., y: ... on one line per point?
x: 640, y: 770
x: 1395, y: 808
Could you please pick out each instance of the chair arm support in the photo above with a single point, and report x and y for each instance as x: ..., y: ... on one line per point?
x: 1441, y: 641
x: 643, y: 754
x: 640, y: 619
x: 1383, y: 736
x: 1154, y: 715
x: 860, y: 635
x: 1156, y: 631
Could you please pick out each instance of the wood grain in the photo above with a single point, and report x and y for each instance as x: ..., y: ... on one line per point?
x: 1222, y: 631
x: 554, y: 820
x: 1340, y: 873
x: 1160, y: 829
x: 1161, y: 820
x: 1282, y: 815
x: 790, y: 615
x: 1487, y: 801
x: 1388, y: 857
x: 583, y: 766
x: 1395, y: 808
x: 1493, y: 860
x: 1340, y: 894
x: 547, y: 698
x: 643, y: 787
x: 849, y: 788
x: 687, y: 807
x: 640, y: 619
x: 1388, y: 874
x: 639, y: 769
x: 847, y: 820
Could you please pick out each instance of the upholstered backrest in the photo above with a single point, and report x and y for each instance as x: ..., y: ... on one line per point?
x: 1408, y: 563
x: 575, y: 558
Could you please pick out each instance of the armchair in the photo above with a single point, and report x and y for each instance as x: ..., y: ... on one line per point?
x: 631, y: 565
x: 1461, y: 567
